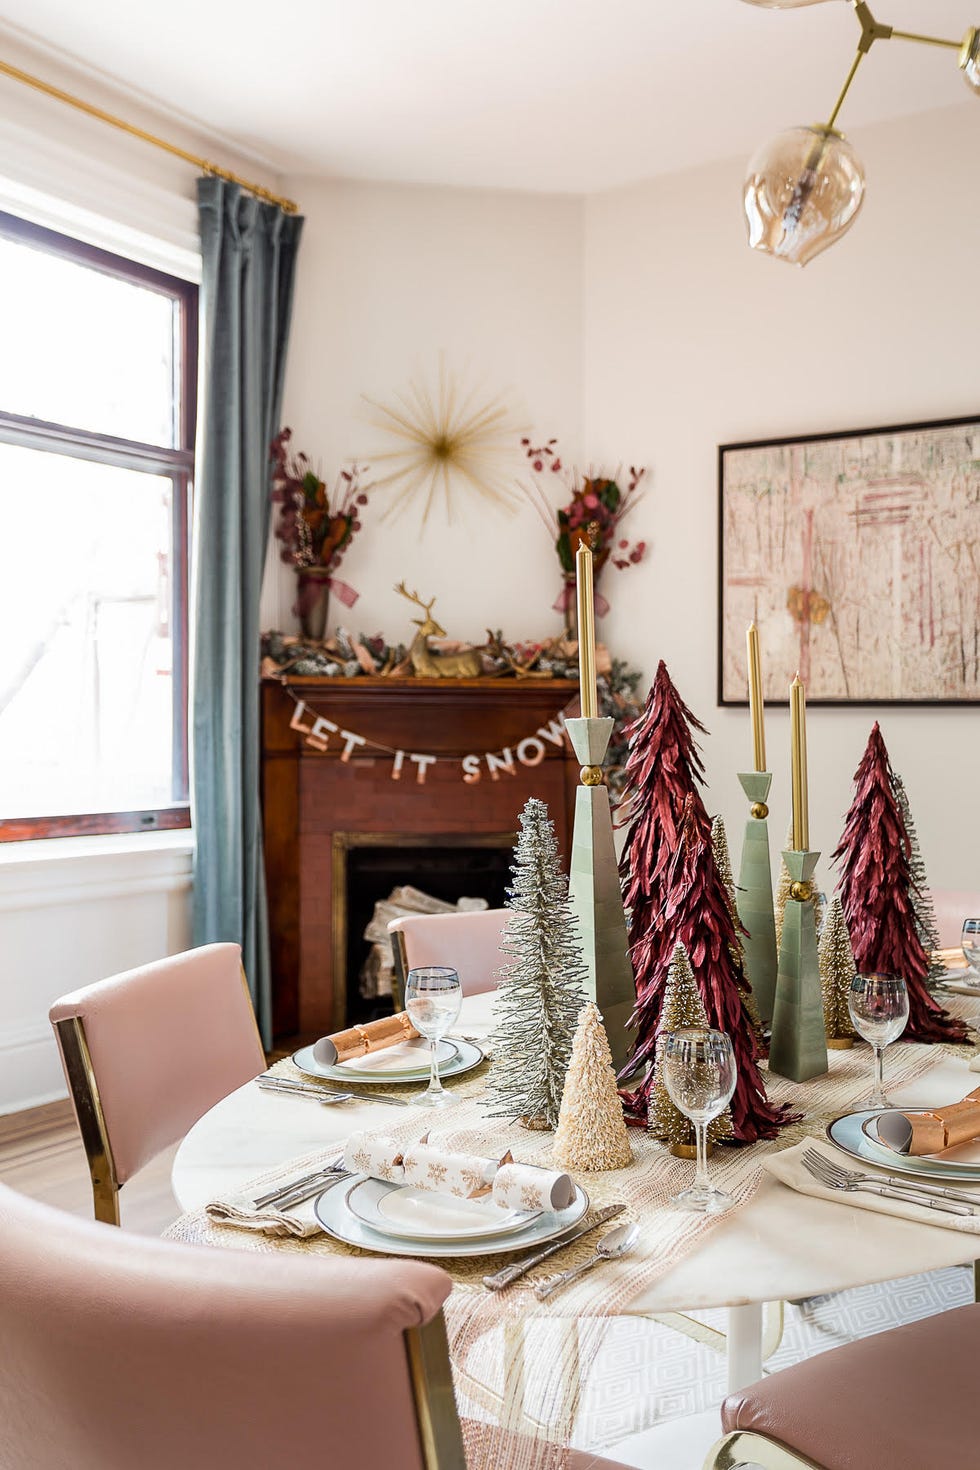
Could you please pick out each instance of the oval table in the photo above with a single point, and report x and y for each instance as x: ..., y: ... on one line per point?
x: 779, y: 1246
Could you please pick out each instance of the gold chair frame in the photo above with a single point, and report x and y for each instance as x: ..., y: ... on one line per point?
x: 745, y: 1447
x: 440, y: 1432
x: 84, y: 1088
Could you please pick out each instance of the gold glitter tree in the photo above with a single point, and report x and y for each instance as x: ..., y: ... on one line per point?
x: 837, y: 970
x: 591, y: 1132
x: 682, y: 1007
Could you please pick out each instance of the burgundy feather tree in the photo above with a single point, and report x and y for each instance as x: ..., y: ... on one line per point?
x: 662, y: 770
x: 698, y: 915
x: 878, y: 898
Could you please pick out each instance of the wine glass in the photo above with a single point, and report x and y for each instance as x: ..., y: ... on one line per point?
x: 970, y: 941
x: 698, y: 1069
x: 433, y: 996
x: 879, y: 1007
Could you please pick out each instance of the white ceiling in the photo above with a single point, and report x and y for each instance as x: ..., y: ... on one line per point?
x: 557, y: 95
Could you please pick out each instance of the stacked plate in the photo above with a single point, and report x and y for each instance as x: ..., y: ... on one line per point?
x: 406, y: 1062
x: 401, y: 1220
x: 857, y: 1134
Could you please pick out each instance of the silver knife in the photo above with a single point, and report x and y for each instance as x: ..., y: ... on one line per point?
x: 313, y: 1089
x: 520, y: 1268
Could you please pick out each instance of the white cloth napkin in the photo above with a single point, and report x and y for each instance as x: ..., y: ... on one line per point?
x: 787, y: 1166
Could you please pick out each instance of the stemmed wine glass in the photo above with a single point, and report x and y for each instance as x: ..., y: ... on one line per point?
x: 879, y: 1007
x: 433, y: 996
x: 698, y: 1068
x: 970, y: 941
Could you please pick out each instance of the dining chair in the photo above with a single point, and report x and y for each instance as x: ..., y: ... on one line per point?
x: 469, y: 942
x: 148, y: 1052
x: 900, y: 1397
x: 952, y: 906
x: 143, y: 1352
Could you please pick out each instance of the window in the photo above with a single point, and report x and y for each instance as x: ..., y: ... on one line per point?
x: 98, y: 359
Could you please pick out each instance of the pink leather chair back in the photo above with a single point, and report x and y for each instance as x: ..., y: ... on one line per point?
x: 952, y: 906
x: 470, y: 943
x: 167, y: 1041
x: 121, y: 1351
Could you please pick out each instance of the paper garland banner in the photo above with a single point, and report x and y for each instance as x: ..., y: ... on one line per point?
x: 321, y: 734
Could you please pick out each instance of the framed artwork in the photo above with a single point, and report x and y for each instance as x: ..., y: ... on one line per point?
x: 858, y: 556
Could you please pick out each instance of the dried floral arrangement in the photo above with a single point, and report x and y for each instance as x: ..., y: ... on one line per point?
x: 594, y: 512
x: 314, y: 524
x: 343, y: 656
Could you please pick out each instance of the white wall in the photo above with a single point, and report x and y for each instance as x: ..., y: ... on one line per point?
x: 691, y: 340
x: 390, y: 278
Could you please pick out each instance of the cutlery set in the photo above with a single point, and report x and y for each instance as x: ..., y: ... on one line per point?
x: 905, y: 1189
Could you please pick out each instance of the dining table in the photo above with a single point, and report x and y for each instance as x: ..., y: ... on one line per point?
x: 779, y: 1245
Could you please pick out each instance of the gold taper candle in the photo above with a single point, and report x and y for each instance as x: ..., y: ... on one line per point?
x: 801, y: 815
x: 755, y: 696
x: 586, y: 632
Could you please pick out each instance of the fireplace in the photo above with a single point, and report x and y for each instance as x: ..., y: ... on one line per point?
x: 368, y: 865
x: 353, y: 810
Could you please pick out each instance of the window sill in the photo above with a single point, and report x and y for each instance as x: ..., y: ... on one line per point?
x: 179, y: 841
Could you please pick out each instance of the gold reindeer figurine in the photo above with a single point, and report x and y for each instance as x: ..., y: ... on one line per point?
x: 428, y: 664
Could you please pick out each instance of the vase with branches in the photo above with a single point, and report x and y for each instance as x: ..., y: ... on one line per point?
x: 596, y: 506
x: 316, y: 526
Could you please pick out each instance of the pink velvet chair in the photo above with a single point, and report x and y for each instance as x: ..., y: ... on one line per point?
x: 146, y: 1053
x: 128, y: 1353
x: 470, y: 943
x: 952, y: 906
x: 898, y: 1398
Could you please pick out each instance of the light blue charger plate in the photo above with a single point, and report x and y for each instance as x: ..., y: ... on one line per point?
x: 849, y: 1134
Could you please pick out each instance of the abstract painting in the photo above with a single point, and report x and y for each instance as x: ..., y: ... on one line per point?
x: 858, y: 556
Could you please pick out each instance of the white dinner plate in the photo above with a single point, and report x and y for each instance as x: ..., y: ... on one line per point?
x: 849, y: 1134
x: 335, y: 1216
x: 407, y: 1056
x: 421, y: 1214
x: 467, y: 1056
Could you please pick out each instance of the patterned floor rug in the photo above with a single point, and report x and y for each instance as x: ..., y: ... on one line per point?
x: 647, y: 1374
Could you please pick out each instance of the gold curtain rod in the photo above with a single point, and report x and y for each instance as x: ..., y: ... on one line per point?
x: 288, y: 206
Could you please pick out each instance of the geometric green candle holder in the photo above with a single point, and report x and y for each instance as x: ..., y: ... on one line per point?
x: 594, y: 890
x: 798, y: 1047
x: 754, y: 896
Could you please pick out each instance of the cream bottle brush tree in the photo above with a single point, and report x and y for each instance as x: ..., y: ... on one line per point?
x: 837, y: 970
x: 591, y: 1131
x: 540, y: 994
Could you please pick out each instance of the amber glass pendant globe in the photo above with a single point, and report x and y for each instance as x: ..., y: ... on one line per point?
x: 802, y: 192
x: 970, y: 59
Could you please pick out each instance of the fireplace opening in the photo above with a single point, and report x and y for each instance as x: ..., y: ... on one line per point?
x: 367, y: 867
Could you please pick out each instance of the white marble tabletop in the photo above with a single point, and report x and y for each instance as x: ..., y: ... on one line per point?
x: 780, y: 1245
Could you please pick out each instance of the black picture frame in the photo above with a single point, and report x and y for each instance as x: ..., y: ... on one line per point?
x: 869, y: 515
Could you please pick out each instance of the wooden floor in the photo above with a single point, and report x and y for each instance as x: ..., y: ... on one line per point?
x: 41, y: 1155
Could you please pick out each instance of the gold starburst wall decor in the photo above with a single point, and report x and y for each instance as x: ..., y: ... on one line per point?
x: 445, y: 441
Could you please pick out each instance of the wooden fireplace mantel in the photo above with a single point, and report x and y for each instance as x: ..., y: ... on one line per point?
x: 314, y: 803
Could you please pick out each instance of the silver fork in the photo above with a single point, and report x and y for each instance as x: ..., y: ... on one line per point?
x: 816, y: 1166
x: 897, y: 1181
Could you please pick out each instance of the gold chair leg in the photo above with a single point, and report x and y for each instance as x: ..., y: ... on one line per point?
x: 976, y: 1281
x: 435, y: 1404
x: 742, y: 1447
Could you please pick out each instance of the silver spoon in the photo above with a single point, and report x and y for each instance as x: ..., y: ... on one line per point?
x: 616, y: 1243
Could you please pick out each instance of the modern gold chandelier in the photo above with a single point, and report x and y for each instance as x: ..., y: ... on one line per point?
x: 804, y: 188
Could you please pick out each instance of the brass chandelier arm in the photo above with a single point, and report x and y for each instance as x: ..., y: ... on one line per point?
x: 859, y: 56
x: 288, y: 206
x: 873, y: 30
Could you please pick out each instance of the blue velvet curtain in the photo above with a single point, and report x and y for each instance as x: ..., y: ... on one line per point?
x: 249, y: 258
